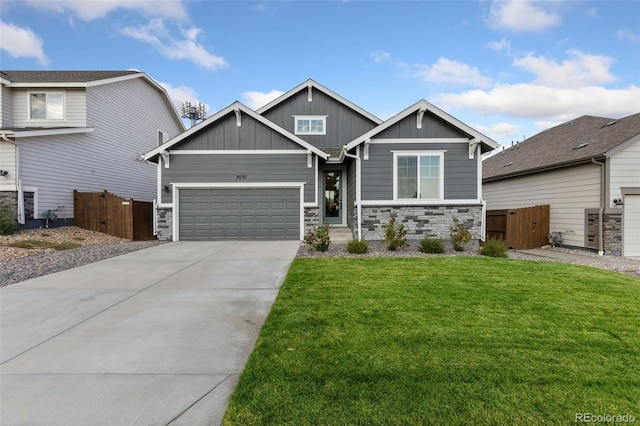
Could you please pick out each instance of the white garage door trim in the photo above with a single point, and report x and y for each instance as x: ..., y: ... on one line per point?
x: 631, y: 225
x: 178, y: 186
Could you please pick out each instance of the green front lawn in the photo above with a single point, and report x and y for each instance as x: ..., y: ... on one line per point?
x: 449, y: 340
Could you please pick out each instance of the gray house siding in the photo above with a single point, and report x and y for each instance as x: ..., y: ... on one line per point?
x: 432, y: 127
x: 6, y: 120
x: 460, y: 172
x: 342, y: 125
x: 104, y: 159
x: 239, y: 168
x: 226, y: 135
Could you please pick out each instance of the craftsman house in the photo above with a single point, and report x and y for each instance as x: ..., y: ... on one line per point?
x: 312, y: 157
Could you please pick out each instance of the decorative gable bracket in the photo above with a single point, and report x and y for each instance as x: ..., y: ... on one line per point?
x: 309, y: 159
x: 238, y: 117
x: 366, y: 149
x: 165, y: 158
x: 309, y: 93
x: 473, y: 145
x: 420, y: 116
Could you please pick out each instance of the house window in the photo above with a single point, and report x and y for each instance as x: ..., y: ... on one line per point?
x: 418, y: 175
x: 310, y: 125
x: 162, y: 137
x: 46, y: 106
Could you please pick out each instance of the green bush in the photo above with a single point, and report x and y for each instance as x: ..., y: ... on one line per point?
x: 357, y: 246
x: 494, y: 248
x: 460, y: 235
x: 395, y: 235
x: 8, y: 224
x: 318, y: 238
x: 431, y: 245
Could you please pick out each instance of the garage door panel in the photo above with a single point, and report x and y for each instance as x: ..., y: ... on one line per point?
x: 631, y: 226
x: 239, y: 213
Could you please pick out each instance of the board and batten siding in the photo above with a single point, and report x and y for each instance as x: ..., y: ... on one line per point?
x: 342, y: 126
x: 460, y: 172
x: 238, y: 168
x: 568, y: 191
x: 6, y: 110
x: 106, y: 158
x: 8, y: 163
x: 225, y: 134
x: 624, y: 169
x: 432, y: 127
x: 75, y: 108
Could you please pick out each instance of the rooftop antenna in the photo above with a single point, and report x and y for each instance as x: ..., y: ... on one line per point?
x: 194, y: 112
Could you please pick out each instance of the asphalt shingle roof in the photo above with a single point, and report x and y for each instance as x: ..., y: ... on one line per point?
x: 61, y: 76
x: 569, y: 143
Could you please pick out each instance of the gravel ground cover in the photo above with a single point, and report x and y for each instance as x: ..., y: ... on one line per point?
x: 20, y: 264
x: 378, y: 249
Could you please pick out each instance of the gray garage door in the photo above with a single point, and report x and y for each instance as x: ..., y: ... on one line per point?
x: 239, y: 213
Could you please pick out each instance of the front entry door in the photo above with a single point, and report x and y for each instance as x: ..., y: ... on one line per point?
x: 333, y: 189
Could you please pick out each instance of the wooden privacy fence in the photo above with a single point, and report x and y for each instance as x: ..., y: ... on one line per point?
x: 110, y: 214
x: 521, y: 229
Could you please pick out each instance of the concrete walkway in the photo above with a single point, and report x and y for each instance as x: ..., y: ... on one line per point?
x: 154, y: 337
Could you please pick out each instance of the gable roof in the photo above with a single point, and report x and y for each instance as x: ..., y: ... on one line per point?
x: 315, y: 85
x: 153, y: 154
x: 30, y: 77
x: 574, y: 142
x: 81, y: 79
x: 486, y: 141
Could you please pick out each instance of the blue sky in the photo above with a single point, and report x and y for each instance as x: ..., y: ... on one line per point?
x: 508, y: 68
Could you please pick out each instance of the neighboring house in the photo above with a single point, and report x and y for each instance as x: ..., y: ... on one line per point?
x: 312, y: 157
x: 587, y: 170
x: 84, y: 130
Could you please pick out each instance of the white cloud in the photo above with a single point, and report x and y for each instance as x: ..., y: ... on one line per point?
x: 21, y: 42
x: 521, y: 15
x: 579, y: 70
x: 255, y: 100
x: 545, y: 103
x: 157, y: 35
x: 379, y: 56
x: 90, y: 10
x: 500, y: 45
x: 448, y: 71
x: 180, y: 94
x: 500, y: 131
x: 627, y: 34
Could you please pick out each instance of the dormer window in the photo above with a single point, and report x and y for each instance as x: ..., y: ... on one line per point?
x: 310, y: 124
x: 46, y: 106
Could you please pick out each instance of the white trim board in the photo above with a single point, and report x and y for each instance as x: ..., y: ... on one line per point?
x: 239, y: 152
x: 413, y: 202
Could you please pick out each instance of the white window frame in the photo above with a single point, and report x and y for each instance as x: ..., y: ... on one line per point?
x: 165, y: 137
x: 298, y: 118
x: 397, y: 154
x: 47, y: 93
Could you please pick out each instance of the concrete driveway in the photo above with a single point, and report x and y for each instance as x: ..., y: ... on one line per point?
x: 154, y: 337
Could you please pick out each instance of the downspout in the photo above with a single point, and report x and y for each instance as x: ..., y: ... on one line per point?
x: 21, y: 219
x: 601, y: 210
x: 358, y: 191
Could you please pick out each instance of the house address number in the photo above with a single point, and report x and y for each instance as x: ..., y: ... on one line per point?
x: 241, y: 177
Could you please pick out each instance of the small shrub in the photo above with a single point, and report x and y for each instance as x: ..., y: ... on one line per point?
x: 318, y: 238
x: 431, y: 245
x: 395, y: 235
x: 494, y: 248
x: 8, y: 224
x: 460, y: 235
x: 357, y: 246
